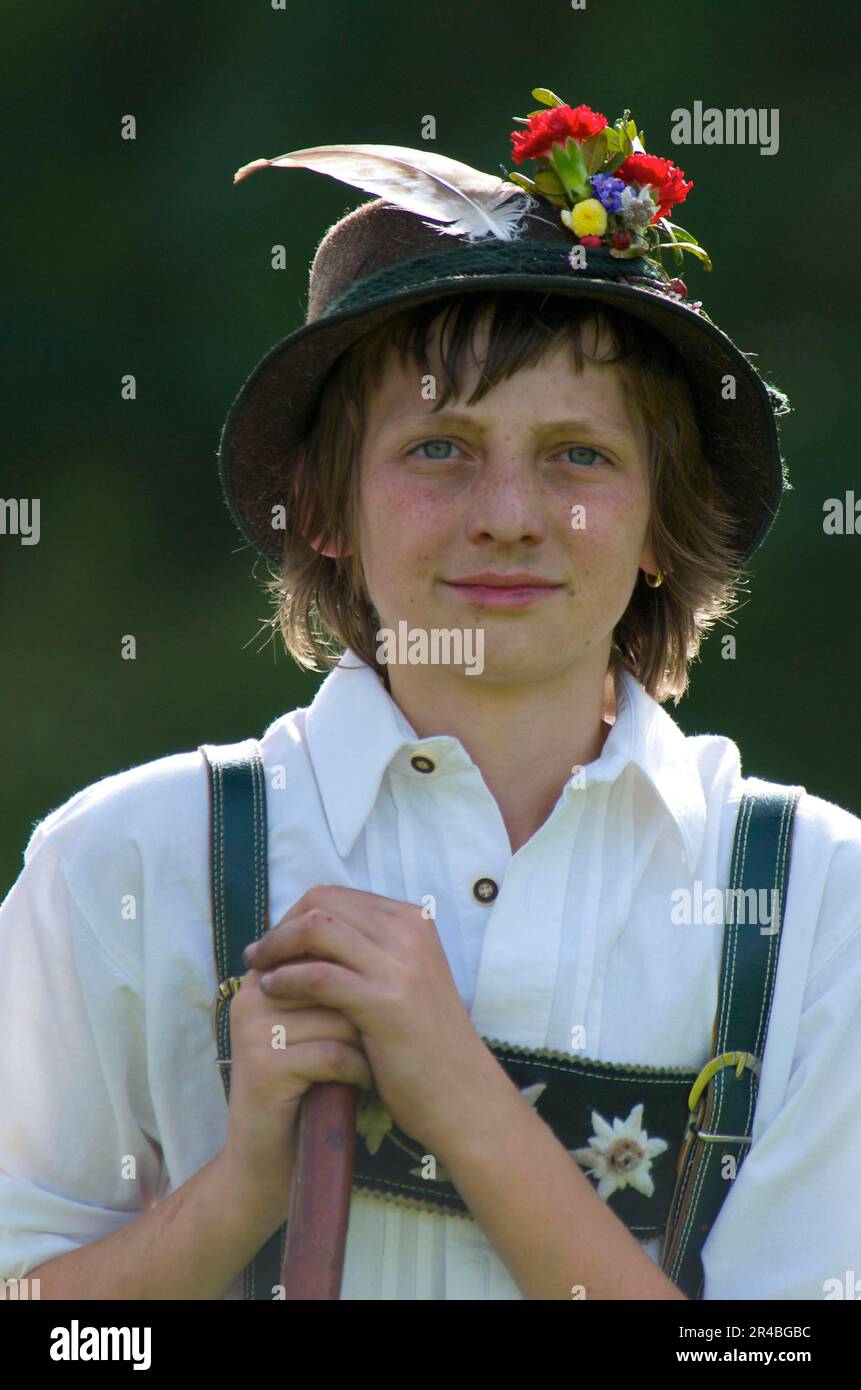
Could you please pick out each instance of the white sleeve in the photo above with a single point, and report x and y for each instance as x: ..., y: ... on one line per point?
x: 79, y: 1157
x: 790, y: 1228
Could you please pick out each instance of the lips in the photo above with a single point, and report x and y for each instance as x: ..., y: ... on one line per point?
x: 520, y: 579
x: 503, y: 591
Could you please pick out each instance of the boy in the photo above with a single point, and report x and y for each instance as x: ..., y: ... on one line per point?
x: 460, y: 854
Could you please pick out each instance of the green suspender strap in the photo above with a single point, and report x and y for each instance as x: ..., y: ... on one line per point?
x: 723, y: 1098
x: 240, y: 913
x: 661, y: 1111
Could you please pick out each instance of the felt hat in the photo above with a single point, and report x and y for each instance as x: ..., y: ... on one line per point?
x: 592, y: 223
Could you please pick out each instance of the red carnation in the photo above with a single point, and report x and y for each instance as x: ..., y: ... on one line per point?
x: 548, y: 128
x: 667, y: 180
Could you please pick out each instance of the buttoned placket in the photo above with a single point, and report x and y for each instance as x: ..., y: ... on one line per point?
x: 519, y: 963
x: 453, y: 847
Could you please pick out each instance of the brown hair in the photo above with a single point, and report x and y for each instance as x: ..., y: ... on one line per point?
x: 322, y: 604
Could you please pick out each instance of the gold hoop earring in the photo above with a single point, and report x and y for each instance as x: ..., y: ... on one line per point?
x: 655, y: 580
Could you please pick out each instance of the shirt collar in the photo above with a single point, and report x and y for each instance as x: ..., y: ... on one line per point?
x: 355, y: 731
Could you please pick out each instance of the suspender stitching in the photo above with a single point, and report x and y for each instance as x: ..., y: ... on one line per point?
x: 789, y: 806
x: 728, y: 982
x: 229, y: 763
x: 256, y: 912
x: 676, y: 1206
x: 260, y: 847
x: 255, y: 845
x: 219, y: 868
x: 261, y: 912
x: 222, y: 1029
x: 744, y: 812
x: 216, y: 885
x: 770, y: 964
x: 783, y: 841
x: 263, y: 849
x: 736, y: 877
x: 777, y: 900
x: 687, y: 1228
x: 223, y: 963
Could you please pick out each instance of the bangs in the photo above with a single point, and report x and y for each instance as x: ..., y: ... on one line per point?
x: 523, y: 327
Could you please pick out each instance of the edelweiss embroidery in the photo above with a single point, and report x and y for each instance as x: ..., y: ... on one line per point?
x: 621, y: 1155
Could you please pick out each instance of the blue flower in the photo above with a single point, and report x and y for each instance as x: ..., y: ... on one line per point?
x: 608, y: 190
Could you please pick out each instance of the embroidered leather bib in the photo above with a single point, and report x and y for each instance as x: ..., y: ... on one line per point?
x: 651, y: 1139
x: 597, y: 1110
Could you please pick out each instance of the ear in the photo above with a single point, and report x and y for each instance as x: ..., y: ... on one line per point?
x: 336, y: 550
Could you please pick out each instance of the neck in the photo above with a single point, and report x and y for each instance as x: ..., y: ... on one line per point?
x: 525, y: 739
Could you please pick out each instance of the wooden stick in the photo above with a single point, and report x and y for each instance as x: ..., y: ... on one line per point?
x: 320, y: 1196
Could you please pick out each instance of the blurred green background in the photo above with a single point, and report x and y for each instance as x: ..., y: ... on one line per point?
x: 141, y: 256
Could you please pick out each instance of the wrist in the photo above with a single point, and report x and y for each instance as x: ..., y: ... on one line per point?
x: 485, y: 1101
x: 257, y: 1199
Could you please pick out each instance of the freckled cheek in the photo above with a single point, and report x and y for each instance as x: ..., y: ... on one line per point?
x: 396, y: 509
x: 599, y: 522
x: 400, y: 524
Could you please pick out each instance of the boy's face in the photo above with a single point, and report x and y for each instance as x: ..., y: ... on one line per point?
x: 495, y: 487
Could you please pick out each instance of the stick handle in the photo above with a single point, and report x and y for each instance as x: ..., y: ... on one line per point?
x: 320, y: 1196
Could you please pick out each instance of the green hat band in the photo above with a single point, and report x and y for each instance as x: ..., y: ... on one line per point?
x: 490, y: 258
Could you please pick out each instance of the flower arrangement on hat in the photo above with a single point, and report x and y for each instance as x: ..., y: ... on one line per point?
x: 610, y: 192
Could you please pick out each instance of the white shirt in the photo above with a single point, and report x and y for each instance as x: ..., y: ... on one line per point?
x: 106, y: 1045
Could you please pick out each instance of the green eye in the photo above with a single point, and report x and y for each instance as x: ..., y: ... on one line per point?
x: 584, y: 454
x: 434, y: 443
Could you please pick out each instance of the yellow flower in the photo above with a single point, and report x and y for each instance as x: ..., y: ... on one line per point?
x: 588, y: 218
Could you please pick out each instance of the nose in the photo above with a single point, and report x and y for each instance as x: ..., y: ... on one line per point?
x: 505, y: 502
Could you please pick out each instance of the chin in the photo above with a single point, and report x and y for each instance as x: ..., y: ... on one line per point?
x: 515, y: 667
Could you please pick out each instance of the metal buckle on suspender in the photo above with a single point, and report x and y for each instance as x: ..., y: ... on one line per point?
x: 223, y: 995
x: 739, y: 1060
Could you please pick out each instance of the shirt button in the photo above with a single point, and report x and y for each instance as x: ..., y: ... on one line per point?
x: 485, y: 890
x: 422, y: 764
